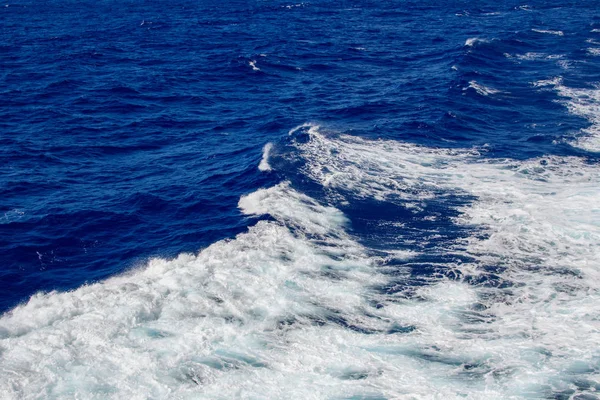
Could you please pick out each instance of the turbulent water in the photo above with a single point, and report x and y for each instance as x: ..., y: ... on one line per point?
x: 316, y: 200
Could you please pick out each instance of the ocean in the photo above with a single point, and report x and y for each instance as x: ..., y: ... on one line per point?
x: 266, y: 199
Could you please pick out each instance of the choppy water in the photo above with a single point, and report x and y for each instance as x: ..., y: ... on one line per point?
x: 320, y: 200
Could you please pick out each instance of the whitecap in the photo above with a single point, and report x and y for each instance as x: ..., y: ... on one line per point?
x: 481, y: 89
x: 549, y: 32
x: 470, y: 42
x: 548, y: 82
x: 264, y: 162
x: 565, y: 64
x: 290, y: 6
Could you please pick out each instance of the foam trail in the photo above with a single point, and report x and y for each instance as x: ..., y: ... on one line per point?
x: 264, y: 162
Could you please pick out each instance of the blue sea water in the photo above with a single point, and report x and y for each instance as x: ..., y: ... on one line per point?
x: 274, y: 199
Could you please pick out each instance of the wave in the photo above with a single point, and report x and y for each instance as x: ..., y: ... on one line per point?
x: 297, y: 306
x: 11, y: 216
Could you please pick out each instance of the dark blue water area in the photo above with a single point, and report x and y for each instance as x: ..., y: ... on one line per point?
x: 130, y: 129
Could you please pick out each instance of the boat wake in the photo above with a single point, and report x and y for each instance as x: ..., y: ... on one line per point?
x: 302, y: 306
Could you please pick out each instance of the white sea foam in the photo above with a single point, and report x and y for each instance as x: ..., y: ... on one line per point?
x: 532, y: 56
x: 481, y: 89
x: 264, y: 162
x: 565, y: 64
x: 470, y: 42
x: 594, y: 51
x: 549, y: 32
x: 252, y: 63
x: 548, y: 82
x: 290, y: 6
x: 291, y: 309
x: 12, y: 216
x: 585, y: 103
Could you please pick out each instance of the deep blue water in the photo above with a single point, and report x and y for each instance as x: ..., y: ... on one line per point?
x: 129, y: 130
